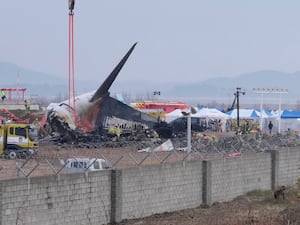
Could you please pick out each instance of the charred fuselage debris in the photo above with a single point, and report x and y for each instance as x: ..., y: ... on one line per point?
x: 113, y: 112
x: 136, y: 139
x: 98, y: 112
x: 87, y: 106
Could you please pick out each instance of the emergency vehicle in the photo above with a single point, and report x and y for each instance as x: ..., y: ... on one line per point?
x: 15, y: 140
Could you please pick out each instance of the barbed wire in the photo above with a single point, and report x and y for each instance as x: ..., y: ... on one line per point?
x: 51, y: 159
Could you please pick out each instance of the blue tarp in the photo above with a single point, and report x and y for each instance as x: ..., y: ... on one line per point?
x: 254, y: 114
x: 246, y: 114
x: 290, y: 114
x: 269, y: 112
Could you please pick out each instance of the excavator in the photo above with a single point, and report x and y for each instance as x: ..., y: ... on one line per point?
x: 236, y: 99
x: 233, y: 103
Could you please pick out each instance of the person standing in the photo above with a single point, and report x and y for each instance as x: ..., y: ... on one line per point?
x: 219, y: 126
x: 270, y: 126
x: 27, y: 106
x: 3, y: 95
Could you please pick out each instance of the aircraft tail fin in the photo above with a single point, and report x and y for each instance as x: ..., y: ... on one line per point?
x: 103, y: 89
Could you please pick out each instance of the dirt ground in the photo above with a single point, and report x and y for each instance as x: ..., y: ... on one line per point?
x: 47, y: 161
x: 254, y: 208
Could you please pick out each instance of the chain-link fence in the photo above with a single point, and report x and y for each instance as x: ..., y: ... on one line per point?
x: 52, y: 159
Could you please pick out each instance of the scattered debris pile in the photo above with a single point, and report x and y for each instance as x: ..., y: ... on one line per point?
x: 220, y: 143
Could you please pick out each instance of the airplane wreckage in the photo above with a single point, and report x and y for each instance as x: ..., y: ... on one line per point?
x: 96, y: 112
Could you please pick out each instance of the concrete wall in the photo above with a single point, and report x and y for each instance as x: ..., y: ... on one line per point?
x: 231, y: 177
x: 72, y: 199
x: 10, y: 106
x: 288, y: 166
x: 113, y: 195
x: 157, y: 189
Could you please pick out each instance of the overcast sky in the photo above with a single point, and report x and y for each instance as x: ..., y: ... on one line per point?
x: 186, y: 41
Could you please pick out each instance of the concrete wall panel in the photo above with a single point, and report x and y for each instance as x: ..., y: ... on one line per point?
x: 157, y: 189
x: 235, y: 176
x: 289, y: 166
x: 70, y: 199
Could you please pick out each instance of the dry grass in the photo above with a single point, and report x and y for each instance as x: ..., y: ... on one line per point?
x: 254, y: 208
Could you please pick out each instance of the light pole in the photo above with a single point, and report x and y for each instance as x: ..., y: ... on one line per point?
x: 189, y: 132
x: 280, y: 91
x: 263, y: 91
x: 188, y: 114
x: 156, y: 93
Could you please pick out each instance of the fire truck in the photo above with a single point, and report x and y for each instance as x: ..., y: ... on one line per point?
x: 15, y: 141
x: 167, y: 107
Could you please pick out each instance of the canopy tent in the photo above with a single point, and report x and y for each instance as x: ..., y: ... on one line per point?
x: 201, y: 113
x: 210, y: 113
x: 246, y: 114
x: 173, y: 115
x: 270, y: 113
x: 290, y: 114
x: 203, y: 118
x: 290, y: 120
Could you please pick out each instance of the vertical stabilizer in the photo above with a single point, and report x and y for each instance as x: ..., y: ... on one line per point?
x: 103, y: 89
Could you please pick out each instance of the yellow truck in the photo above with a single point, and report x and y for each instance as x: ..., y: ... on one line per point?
x: 15, y: 141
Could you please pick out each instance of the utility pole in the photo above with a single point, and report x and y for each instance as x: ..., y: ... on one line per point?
x: 237, y: 95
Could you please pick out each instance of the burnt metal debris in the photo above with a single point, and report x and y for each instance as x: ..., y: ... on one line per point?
x: 119, y: 125
x: 110, y: 113
x: 202, y: 143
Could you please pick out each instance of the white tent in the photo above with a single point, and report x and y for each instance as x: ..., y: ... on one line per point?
x: 211, y: 113
x: 173, y: 115
x: 202, y: 113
